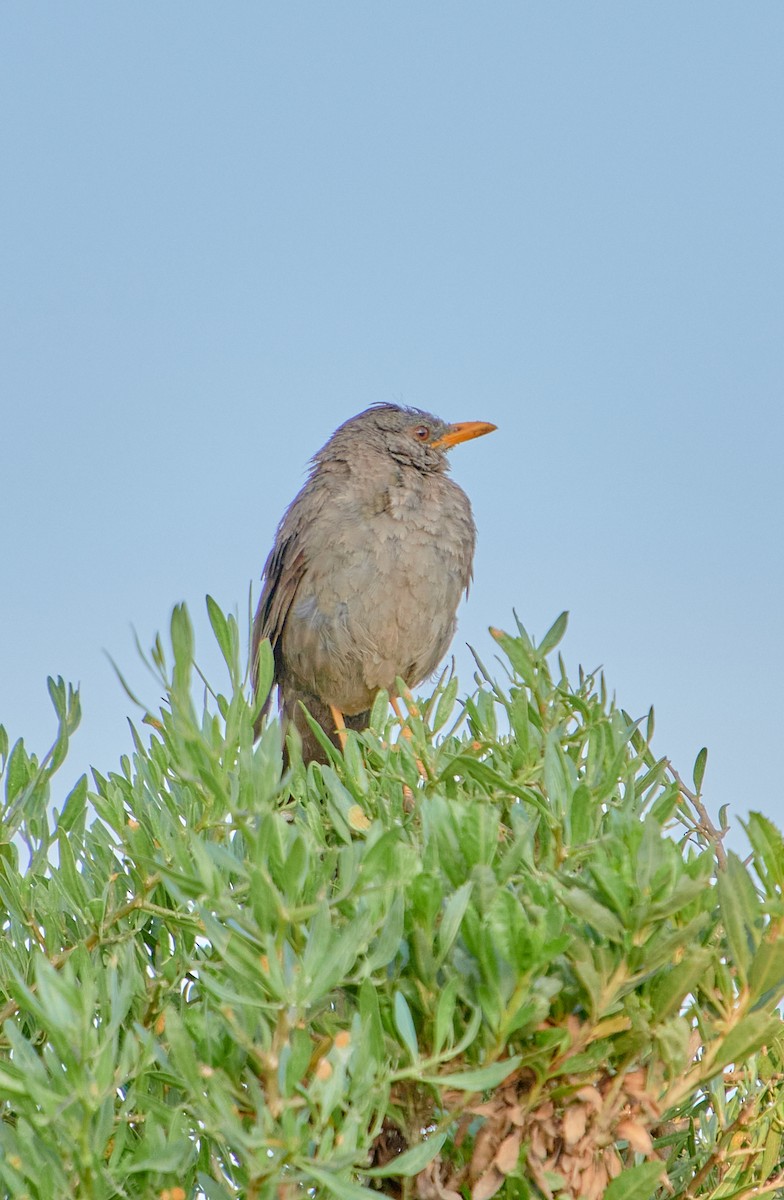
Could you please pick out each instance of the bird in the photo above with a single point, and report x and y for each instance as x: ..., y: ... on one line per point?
x: 368, y: 566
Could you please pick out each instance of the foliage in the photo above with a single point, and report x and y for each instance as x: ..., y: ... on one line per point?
x: 504, y: 955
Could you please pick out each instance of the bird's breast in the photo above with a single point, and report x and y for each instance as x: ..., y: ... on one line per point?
x: 383, y: 581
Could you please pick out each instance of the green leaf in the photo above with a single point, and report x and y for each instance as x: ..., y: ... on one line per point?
x: 56, y: 689
x: 768, y: 847
x: 370, y: 1014
x: 739, y: 912
x: 265, y: 673
x: 766, y: 973
x: 636, y: 1183
x: 454, y: 911
x: 343, y: 1188
x: 18, y: 771
x: 220, y: 627
x: 746, y: 1038
x: 446, y: 703
x: 211, y: 1188
x: 404, y: 1024
x: 583, y: 812
x: 412, y: 1161
x: 74, y: 807
x: 379, y: 713
x: 554, y: 634
x: 582, y: 904
x: 386, y: 946
x: 182, y: 645
x: 445, y: 1012
x: 699, y: 769
x: 480, y: 1080
x: 518, y: 655
x: 672, y: 987
x: 771, y: 1154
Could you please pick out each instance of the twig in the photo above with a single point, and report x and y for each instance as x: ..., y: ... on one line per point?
x: 705, y: 825
x: 58, y: 960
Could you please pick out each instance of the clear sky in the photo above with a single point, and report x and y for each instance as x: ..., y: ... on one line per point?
x: 227, y: 227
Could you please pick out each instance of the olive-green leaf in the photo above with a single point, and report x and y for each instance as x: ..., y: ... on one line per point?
x: 404, y: 1023
x: 554, y: 634
x: 746, y: 1037
x: 479, y: 1080
x: 412, y: 1161
x: 698, y: 774
x: 636, y: 1183
x: 766, y: 973
x: 339, y: 1186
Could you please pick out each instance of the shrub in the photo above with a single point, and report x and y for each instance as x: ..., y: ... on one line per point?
x: 506, y: 955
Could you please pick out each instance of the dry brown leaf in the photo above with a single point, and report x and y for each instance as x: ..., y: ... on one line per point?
x: 636, y: 1135
x: 574, y: 1121
x: 590, y: 1095
x: 538, y: 1142
x: 587, y: 1182
x: 484, y: 1110
x: 488, y: 1185
x: 487, y: 1142
x: 634, y: 1083
x: 612, y: 1162
x: 508, y: 1153
x: 571, y: 1169
x: 594, y: 1186
x: 430, y: 1186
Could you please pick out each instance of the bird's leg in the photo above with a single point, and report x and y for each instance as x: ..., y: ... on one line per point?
x: 340, y: 725
x: 405, y: 731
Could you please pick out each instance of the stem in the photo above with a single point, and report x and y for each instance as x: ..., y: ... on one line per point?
x: 704, y: 824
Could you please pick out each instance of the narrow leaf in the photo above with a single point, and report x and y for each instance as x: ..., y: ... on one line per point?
x: 739, y: 911
x: 699, y: 769
x: 479, y: 1080
x: 454, y: 910
x: 554, y: 634
x: 412, y: 1161
x: 766, y: 973
x: 343, y: 1188
x: 404, y: 1023
x: 636, y: 1183
x: 220, y: 627
x: 747, y: 1037
x: 768, y: 847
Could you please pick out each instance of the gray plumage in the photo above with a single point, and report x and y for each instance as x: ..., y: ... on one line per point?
x: 367, y: 569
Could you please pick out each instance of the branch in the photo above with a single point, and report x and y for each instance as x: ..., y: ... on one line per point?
x: 704, y: 823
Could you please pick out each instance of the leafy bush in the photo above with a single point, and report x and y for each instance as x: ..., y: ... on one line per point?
x: 506, y: 955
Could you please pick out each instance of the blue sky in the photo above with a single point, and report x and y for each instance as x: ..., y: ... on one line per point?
x: 226, y: 228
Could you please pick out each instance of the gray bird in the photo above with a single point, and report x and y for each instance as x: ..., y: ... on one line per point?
x: 367, y: 570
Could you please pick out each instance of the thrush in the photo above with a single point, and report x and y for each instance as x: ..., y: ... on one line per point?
x: 368, y: 566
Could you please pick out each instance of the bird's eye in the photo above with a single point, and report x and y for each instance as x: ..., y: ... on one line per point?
x: 421, y: 433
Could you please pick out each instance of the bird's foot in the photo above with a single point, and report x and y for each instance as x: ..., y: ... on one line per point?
x: 340, y: 726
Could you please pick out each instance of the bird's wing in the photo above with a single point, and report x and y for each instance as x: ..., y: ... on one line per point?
x: 288, y: 562
x: 283, y: 572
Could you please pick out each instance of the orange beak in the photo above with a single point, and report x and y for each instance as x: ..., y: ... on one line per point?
x: 463, y: 431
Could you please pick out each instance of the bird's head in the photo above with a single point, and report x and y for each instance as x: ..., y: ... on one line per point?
x: 409, y: 435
